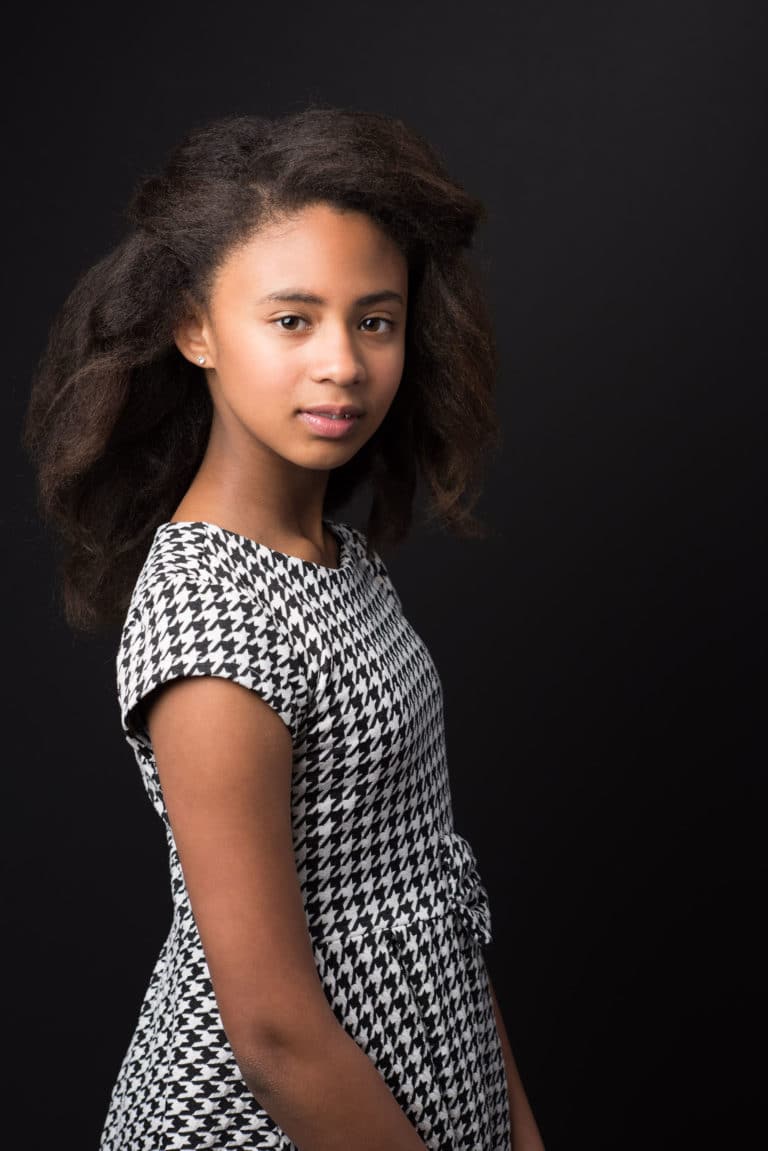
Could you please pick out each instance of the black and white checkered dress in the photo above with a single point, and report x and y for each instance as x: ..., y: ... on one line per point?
x: 395, y: 907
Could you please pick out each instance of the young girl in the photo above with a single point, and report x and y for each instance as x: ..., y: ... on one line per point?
x: 292, y: 315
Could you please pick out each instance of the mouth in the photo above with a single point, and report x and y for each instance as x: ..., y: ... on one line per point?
x: 330, y: 422
x: 327, y: 415
x: 347, y: 412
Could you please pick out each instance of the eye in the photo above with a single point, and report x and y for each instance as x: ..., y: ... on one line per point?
x: 379, y: 320
x: 279, y: 320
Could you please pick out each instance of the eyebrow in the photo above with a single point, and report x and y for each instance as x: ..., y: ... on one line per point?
x: 297, y: 296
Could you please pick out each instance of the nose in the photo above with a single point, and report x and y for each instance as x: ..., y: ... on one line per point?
x: 336, y: 355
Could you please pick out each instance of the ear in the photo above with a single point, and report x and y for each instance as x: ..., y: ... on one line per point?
x: 192, y: 336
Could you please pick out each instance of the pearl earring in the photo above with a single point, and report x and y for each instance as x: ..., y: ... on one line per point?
x: 201, y: 359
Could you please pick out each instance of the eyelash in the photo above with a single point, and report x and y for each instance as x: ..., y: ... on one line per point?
x: 292, y: 316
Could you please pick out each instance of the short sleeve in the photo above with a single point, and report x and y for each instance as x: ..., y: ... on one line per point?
x: 178, y: 626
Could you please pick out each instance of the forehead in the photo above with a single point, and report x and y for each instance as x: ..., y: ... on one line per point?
x: 317, y: 243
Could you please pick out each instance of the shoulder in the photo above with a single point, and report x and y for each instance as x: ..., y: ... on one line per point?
x: 194, y: 594
x: 198, y: 609
x: 358, y: 543
x: 197, y: 550
x: 195, y: 559
x: 366, y: 555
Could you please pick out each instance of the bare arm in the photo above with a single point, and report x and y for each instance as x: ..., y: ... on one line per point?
x: 525, y: 1132
x: 224, y: 761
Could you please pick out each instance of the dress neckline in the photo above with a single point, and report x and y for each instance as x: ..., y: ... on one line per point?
x: 344, y: 558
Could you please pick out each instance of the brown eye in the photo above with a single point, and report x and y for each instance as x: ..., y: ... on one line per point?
x: 378, y: 320
x: 280, y: 320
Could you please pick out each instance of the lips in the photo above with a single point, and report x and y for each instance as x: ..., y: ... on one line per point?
x: 329, y: 424
x: 330, y: 415
x: 333, y: 411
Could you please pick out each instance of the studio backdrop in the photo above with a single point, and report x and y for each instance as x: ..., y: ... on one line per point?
x: 598, y: 649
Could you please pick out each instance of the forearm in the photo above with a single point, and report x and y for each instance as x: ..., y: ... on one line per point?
x: 330, y: 1096
x: 525, y: 1132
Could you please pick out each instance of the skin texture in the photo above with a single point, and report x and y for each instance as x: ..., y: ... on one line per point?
x: 224, y: 757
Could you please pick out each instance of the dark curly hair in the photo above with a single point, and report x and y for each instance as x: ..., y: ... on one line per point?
x: 118, y: 420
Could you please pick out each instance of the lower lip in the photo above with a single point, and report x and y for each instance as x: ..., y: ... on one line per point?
x: 334, y: 429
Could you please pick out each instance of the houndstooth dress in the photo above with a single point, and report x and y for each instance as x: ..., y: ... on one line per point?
x: 395, y: 907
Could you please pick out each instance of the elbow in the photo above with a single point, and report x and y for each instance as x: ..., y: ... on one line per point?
x: 269, y: 1051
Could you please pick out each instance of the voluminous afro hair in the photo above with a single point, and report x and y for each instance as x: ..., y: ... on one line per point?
x: 118, y: 420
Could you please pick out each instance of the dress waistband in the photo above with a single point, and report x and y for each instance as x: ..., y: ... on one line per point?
x: 453, y: 884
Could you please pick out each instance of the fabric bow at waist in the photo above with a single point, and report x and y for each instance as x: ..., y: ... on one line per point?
x: 465, y: 889
x: 447, y: 882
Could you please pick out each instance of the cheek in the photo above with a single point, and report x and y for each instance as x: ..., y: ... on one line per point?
x: 396, y: 365
x: 238, y: 342
x: 248, y: 355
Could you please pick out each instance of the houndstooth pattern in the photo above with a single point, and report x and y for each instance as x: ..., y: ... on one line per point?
x: 395, y: 907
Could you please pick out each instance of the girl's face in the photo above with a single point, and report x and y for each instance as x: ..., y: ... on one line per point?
x: 308, y: 313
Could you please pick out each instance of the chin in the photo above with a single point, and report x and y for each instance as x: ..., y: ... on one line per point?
x: 335, y: 458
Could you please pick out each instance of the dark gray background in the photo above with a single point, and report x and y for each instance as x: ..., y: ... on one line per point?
x: 600, y: 653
